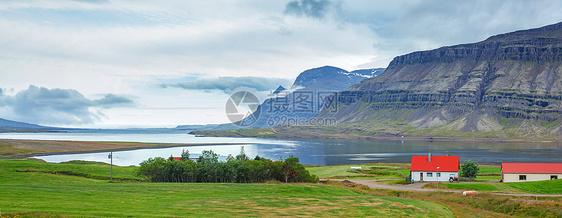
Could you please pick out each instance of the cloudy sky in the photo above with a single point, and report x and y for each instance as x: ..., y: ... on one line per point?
x: 106, y: 63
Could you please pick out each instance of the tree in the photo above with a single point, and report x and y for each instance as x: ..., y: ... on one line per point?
x: 185, y: 155
x: 469, y: 169
x: 242, y: 155
x: 153, y: 169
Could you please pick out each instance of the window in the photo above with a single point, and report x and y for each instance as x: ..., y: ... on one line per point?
x: 522, y: 177
x: 553, y: 177
x: 438, y: 174
x: 429, y: 174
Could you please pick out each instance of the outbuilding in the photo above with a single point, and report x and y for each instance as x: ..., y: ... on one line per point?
x: 434, y: 168
x: 522, y: 172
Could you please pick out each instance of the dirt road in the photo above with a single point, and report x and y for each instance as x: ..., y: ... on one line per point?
x: 418, y: 187
x: 411, y: 187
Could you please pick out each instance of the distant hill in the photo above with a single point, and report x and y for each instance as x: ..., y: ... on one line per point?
x: 9, y: 125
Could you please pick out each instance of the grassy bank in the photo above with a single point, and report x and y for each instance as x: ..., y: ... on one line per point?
x: 31, y: 188
x: 11, y: 148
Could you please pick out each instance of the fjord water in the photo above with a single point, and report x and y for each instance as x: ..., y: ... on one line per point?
x: 315, y: 152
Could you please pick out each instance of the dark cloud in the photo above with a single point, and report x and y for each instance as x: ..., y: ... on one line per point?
x: 59, y: 106
x: 229, y: 84
x: 309, y: 8
x: 111, y: 100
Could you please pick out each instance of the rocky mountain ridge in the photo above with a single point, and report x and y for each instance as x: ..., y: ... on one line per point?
x: 510, y: 84
x: 332, y: 78
x: 304, y: 99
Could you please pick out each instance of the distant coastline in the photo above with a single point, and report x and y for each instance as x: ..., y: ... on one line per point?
x: 287, y: 133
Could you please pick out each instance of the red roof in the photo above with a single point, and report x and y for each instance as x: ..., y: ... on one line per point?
x: 532, y: 168
x: 445, y: 163
x: 177, y: 158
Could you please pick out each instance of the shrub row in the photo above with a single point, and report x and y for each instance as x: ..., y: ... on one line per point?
x: 207, y: 168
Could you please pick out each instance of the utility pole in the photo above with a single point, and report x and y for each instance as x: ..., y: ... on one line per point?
x: 111, y: 163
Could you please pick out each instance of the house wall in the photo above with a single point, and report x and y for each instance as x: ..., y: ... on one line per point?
x: 514, y: 177
x: 443, y: 178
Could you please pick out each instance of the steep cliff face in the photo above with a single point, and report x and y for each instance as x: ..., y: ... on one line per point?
x: 508, y: 83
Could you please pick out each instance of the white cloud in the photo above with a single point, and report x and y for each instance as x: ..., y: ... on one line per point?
x: 58, y: 106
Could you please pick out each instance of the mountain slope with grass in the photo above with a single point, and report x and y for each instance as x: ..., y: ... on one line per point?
x: 509, y: 85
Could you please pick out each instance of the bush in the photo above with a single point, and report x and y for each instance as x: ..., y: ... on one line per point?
x: 469, y: 169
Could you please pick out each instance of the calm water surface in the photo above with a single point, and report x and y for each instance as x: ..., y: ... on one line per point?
x: 317, y: 152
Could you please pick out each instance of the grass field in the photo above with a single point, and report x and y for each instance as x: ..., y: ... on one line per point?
x: 489, y: 170
x: 538, y: 187
x: 86, y: 169
x: 371, y: 171
x: 30, y: 188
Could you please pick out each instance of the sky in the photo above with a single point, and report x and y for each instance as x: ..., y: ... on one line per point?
x: 119, y: 64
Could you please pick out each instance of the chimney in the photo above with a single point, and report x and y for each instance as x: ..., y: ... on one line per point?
x: 429, y: 157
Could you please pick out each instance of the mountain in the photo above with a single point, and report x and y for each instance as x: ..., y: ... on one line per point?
x: 505, y: 86
x: 368, y: 73
x: 332, y: 78
x: 311, y: 92
x: 305, y: 99
x: 8, y: 125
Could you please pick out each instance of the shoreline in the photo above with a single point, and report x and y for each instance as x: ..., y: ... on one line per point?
x: 85, y: 147
x: 390, y: 138
x: 126, y: 149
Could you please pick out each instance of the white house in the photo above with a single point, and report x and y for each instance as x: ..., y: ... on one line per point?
x: 522, y: 172
x: 434, y: 168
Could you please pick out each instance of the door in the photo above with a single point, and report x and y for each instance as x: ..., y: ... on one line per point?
x: 421, y: 177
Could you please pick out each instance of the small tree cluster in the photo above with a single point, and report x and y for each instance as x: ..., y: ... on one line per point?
x: 208, y: 168
x: 469, y: 169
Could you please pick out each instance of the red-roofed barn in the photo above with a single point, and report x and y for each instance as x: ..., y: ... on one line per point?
x: 434, y: 168
x: 521, y: 172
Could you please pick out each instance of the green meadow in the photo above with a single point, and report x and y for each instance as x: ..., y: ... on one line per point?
x: 538, y: 187
x: 368, y: 171
x: 31, y: 188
